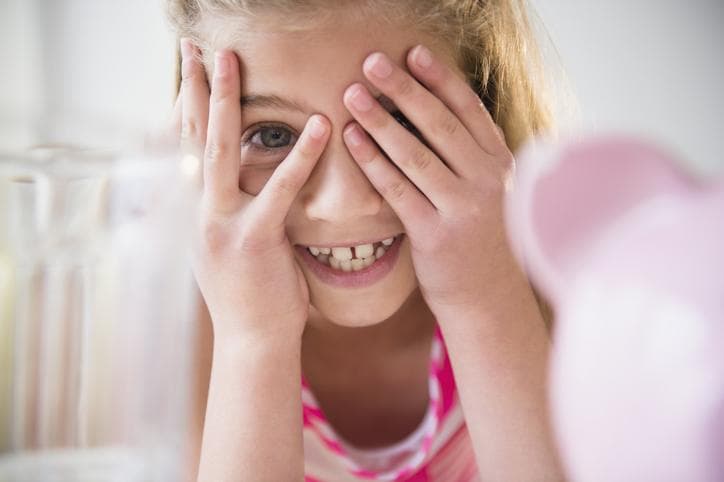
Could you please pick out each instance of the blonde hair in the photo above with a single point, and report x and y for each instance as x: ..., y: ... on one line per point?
x: 493, y: 41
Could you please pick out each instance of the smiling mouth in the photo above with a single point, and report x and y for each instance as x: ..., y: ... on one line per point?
x: 352, y: 258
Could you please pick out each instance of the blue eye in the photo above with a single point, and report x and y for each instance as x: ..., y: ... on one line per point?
x: 270, y: 138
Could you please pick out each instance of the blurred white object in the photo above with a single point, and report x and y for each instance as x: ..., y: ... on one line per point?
x: 96, y: 304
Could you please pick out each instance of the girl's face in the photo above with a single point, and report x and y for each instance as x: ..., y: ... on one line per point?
x: 286, y: 77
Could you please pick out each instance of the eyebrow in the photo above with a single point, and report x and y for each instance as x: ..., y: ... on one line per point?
x: 259, y: 101
x: 273, y: 101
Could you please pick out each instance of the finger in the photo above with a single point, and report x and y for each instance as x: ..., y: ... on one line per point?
x: 440, y: 79
x: 194, y: 93
x: 418, y: 162
x: 404, y: 198
x: 175, y: 121
x: 440, y: 127
x: 222, y: 156
x: 273, y: 202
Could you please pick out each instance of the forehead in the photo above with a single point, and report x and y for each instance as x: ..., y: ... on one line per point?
x: 315, y: 65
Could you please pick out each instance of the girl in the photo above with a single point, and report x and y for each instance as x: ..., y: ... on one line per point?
x: 369, y: 320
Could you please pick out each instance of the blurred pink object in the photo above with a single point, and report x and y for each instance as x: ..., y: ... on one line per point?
x: 630, y: 251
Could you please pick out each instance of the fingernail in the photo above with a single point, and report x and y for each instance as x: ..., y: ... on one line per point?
x: 317, y: 129
x: 221, y: 64
x: 353, y: 136
x: 361, y: 100
x: 379, y: 66
x: 423, y: 57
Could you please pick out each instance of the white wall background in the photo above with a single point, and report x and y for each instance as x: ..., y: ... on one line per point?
x: 652, y: 67
x: 98, y: 64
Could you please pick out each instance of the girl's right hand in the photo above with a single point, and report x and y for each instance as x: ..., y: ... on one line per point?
x: 243, y: 262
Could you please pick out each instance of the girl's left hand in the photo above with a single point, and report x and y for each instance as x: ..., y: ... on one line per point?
x: 449, y: 196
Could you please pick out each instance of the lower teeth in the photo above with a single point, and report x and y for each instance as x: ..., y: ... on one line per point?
x: 348, y: 264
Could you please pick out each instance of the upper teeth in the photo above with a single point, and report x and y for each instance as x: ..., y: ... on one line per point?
x: 364, y: 251
x: 343, y: 253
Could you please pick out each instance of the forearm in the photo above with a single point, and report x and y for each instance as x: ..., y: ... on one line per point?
x: 499, y: 356
x: 253, y: 424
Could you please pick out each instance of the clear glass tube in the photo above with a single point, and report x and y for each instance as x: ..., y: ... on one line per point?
x: 97, y: 304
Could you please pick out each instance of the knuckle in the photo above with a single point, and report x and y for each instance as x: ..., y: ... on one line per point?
x: 214, y: 236
x: 285, y: 186
x: 215, y: 152
x: 501, y: 144
x: 189, y: 70
x: 223, y: 91
x: 380, y: 121
x: 220, y: 94
x: 501, y: 132
x: 189, y: 129
x: 221, y: 235
x: 419, y: 159
x: 437, y: 238
x: 250, y: 244
x: 395, y: 190
x: 447, y: 126
x: 306, y: 148
x: 378, y: 157
x: 473, y: 103
x: 507, y: 160
x: 405, y: 87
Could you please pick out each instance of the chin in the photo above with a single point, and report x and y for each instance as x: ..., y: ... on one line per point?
x: 365, y: 307
x: 359, y: 315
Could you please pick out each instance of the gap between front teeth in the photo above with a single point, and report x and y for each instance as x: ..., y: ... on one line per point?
x: 344, y: 259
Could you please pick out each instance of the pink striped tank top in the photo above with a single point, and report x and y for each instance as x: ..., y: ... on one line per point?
x: 439, y: 450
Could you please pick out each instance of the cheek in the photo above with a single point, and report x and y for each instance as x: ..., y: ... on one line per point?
x: 253, y: 180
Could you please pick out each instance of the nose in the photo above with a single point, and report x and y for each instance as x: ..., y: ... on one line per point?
x: 337, y: 190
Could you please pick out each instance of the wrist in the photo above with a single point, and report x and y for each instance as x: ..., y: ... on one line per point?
x: 256, y: 344
x: 257, y: 331
x: 508, y: 305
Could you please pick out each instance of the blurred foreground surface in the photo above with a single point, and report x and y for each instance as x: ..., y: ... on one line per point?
x: 96, y: 303
x: 627, y: 246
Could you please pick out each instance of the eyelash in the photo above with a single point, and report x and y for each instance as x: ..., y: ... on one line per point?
x: 397, y: 114
x: 261, y: 147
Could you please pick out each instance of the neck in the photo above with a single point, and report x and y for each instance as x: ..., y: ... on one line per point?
x: 411, y: 324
